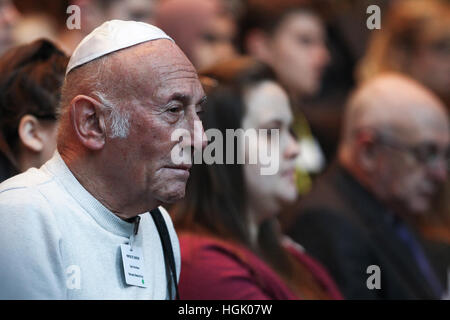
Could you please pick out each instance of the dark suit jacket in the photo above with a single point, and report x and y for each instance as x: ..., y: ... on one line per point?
x: 343, y: 226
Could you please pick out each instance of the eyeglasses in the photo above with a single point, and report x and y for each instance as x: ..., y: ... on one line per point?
x: 424, y: 153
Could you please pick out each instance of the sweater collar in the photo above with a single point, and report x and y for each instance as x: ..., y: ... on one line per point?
x: 102, y: 215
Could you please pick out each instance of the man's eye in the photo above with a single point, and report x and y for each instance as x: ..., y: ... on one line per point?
x: 175, y: 109
x: 305, y: 40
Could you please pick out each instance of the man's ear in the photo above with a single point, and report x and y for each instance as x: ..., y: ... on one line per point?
x: 257, y: 45
x: 30, y: 134
x: 366, y: 150
x: 88, y: 121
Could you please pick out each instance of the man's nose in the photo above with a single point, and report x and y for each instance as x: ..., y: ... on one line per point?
x: 439, y: 170
x: 198, y: 136
x: 323, y: 55
x: 292, y: 149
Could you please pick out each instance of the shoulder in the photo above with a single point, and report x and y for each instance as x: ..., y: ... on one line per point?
x: 193, y: 245
x: 26, y: 215
x: 173, y: 238
x: 215, y: 269
x: 170, y: 227
x: 200, y: 252
x: 31, y: 178
x: 20, y: 196
x: 30, y: 236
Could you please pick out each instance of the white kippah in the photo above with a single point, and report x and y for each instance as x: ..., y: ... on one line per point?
x: 112, y: 36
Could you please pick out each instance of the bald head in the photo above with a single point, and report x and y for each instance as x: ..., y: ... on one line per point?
x: 392, y: 102
x: 114, y: 78
x: 396, y: 142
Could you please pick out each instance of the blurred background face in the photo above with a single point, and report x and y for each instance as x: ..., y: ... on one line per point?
x: 268, y: 108
x: 298, y: 52
x: 430, y: 64
x: 412, y: 166
x: 203, y: 29
x: 8, y: 16
x: 215, y: 43
x: 136, y: 10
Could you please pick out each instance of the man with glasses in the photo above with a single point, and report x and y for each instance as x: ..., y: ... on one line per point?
x: 392, y: 162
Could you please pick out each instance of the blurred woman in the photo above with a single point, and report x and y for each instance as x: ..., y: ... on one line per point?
x: 203, y: 29
x: 30, y: 80
x: 289, y: 36
x: 414, y: 40
x: 230, y: 240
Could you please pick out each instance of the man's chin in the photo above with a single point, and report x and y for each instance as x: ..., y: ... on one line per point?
x: 420, y: 208
x: 173, y: 196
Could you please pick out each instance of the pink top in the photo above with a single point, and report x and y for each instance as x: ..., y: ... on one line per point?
x: 212, y: 269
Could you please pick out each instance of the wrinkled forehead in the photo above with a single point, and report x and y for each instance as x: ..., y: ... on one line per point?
x: 156, y: 58
x: 157, y: 65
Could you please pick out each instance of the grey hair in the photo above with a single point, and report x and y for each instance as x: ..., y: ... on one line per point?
x: 97, y: 78
x: 118, y: 119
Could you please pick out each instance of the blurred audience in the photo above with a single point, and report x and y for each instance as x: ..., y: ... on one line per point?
x: 385, y: 197
x: 8, y: 18
x: 289, y: 36
x: 392, y: 160
x: 30, y: 79
x: 95, y: 12
x: 39, y: 19
x: 230, y: 241
x: 204, y: 29
x: 345, y: 23
x: 415, y: 40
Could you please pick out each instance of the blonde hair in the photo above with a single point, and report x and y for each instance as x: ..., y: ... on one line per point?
x: 409, y: 25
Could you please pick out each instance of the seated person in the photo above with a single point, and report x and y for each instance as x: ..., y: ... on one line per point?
x: 289, y: 36
x: 415, y: 41
x: 392, y: 160
x: 31, y: 77
x: 230, y: 241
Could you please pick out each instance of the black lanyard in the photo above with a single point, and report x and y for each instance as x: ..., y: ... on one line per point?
x: 169, y: 259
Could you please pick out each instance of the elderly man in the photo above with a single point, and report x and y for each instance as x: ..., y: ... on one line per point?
x: 79, y: 227
x: 392, y: 160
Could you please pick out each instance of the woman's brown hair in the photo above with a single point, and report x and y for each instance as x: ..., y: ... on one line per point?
x: 31, y: 77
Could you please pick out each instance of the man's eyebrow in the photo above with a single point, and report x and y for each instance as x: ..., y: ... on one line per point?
x: 184, y: 98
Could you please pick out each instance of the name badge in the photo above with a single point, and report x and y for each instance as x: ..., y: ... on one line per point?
x: 133, y: 265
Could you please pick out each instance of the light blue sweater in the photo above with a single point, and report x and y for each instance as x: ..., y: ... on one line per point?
x: 58, y: 242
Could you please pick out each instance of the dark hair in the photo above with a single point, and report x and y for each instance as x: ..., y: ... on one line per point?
x: 216, y: 201
x: 266, y: 15
x: 31, y: 77
x: 55, y: 10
